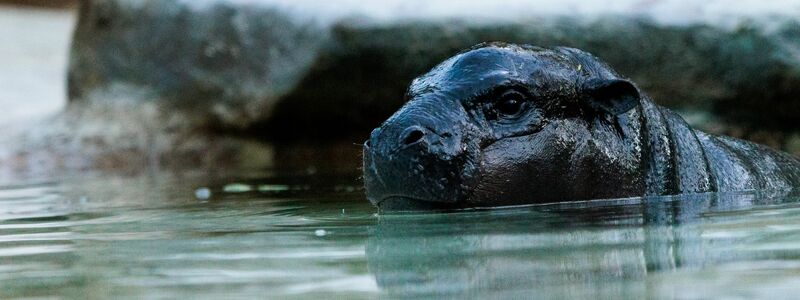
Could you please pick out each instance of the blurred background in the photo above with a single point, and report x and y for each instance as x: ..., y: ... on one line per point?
x: 211, y: 149
x: 37, y: 35
x: 127, y: 85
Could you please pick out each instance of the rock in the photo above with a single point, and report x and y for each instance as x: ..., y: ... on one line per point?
x: 221, y: 63
x: 793, y: 144
x: 300, y: 69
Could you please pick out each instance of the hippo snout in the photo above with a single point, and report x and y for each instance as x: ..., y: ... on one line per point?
x: 412, y: 162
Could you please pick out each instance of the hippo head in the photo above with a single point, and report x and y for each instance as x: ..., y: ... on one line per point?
x: 505, y: 124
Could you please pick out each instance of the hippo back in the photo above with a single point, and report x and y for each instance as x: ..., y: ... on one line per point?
x: 683, y: 160
x: 741, y: 165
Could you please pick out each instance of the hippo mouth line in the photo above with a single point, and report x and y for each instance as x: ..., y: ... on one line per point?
x: 403, y: 197
x: 400, y: 202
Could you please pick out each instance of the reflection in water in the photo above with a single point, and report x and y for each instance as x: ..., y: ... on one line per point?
x: 308, y: 235
x: 609, y: 249
x: 148, y: 238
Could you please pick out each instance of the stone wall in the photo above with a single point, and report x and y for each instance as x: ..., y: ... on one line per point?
x: 300, y: 69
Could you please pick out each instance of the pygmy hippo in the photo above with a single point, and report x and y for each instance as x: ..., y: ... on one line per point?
x: 505, y: 124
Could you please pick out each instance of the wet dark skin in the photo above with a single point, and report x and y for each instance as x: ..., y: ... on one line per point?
x: 504, y: 124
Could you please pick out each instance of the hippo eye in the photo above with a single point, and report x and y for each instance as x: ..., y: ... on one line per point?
x: 510, y: 103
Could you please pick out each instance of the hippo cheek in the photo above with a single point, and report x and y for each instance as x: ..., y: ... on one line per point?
x: 523, y: 170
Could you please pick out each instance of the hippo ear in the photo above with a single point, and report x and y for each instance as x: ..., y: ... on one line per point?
x: 612, y: 96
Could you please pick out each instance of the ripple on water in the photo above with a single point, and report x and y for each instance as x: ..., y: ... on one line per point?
x: 134, y: 238
x: 261, y: 241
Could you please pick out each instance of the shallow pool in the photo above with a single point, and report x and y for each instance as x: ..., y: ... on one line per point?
x: 306, y: 234
x: 306, y: 231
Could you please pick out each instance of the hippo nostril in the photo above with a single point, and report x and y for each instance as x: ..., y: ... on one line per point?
x: 412, y: 135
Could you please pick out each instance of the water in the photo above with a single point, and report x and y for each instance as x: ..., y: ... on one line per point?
x: 308, y: 234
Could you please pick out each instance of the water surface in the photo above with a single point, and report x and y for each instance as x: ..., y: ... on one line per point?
x: 308, y: 234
